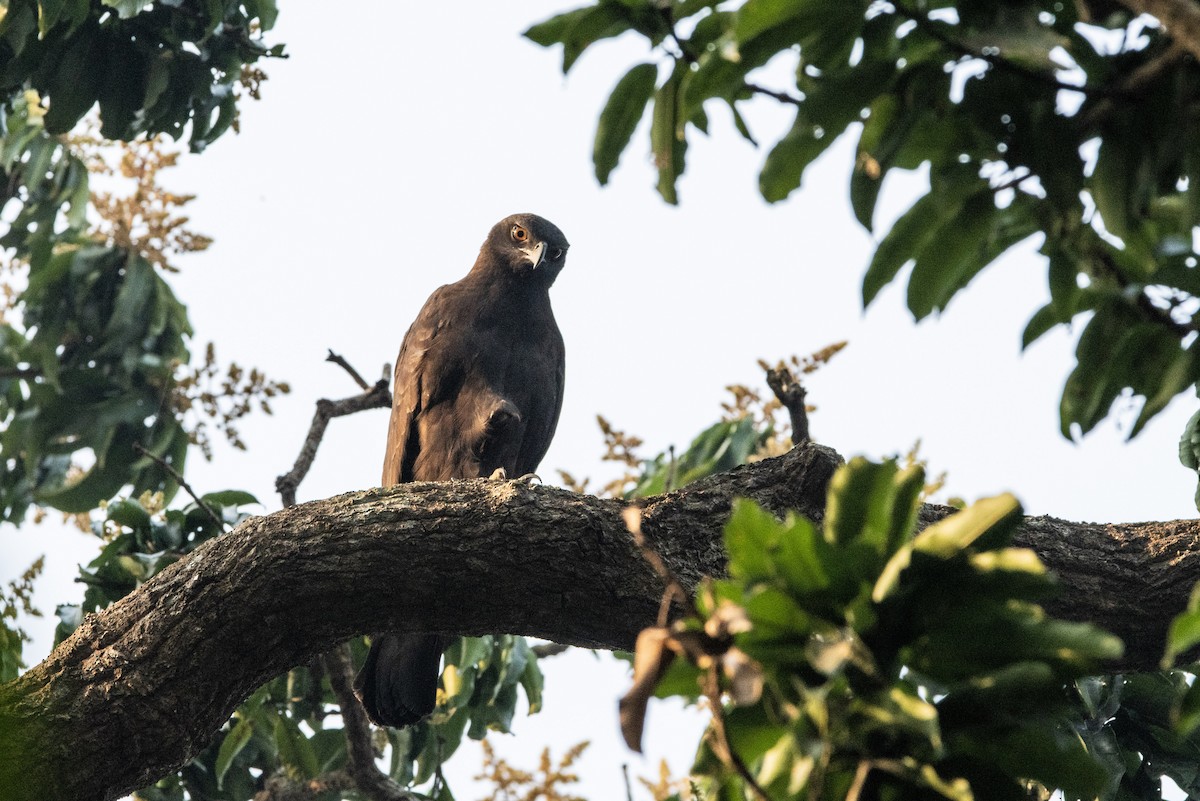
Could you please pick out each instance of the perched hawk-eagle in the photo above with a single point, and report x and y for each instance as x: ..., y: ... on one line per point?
x: 479, y: 385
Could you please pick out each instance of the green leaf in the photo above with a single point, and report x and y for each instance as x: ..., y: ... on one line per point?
x: 470, y: 651
x: 984, y: 524
x: 1119, y: 349
x: 1112, y: 179
x: 231, y: 746
x: 267, y: 13
x: 757, y: 16
x: 1189, y: 443
x: 130, y: 514
x: 229, y: 498
x: 128, y: 319
x: 1173, y: 378
x: 579, y: 29
x: 1039, y: 324
x: 122, y: 90
x: 947, y: 272
x: 857, y: 497
x: 1055, y: 757
x: 620, y: 117
x: 667, y: 140
x: 870, y: 165
x: 749, y: 535
x: 554, y: 30
x: 49, y: 12
x: 532, y: 682
x: 1184, y: 632
x: 101, y: 482
x: 127, y: 8
x: 75, y: 85
x: 294, y: 748
x: 1187, y: 715
x: 907, y: 238
x: 329, y: 745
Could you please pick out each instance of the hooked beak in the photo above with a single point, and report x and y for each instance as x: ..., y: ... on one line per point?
x: 536, y: 254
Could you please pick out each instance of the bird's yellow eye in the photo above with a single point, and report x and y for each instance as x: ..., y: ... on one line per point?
x: 519, y: 233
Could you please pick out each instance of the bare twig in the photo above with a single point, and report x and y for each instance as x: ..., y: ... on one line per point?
x: 628, y: 786
x: 360, y: 753
x: 791, y: 393
x: 1145, y: 305
x: 860, y: 779
x: 1135, y: 83
x: 934, y: 31
x: 377, y: 397
x: 723, y: 748
x: 782, y: 97
x: 137, y: 447
x: 21, y: 372
x: 345, y: 365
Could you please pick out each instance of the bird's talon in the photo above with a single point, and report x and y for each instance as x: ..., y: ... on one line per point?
x: 499, y: 474
x: 529, y: 478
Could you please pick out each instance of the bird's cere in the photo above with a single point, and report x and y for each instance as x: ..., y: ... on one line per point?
x: 536, y: 254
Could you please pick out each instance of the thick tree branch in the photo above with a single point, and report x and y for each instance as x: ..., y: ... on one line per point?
x: 142, y: 686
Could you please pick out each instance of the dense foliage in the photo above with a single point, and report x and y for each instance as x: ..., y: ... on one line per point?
x: 851, y: 659
x: 1074, y: 123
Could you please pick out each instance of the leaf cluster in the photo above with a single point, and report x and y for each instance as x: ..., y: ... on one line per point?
x: 93, y: 384
x: 1033, y: 117
x: 17, y: 599
x: 478, y: 694
x: 152, y: 67
x: 289, y: 732
x: 139, y: 539
x: 890, y: 666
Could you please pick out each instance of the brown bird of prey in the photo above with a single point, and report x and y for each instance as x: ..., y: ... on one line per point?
x: 479, y: 385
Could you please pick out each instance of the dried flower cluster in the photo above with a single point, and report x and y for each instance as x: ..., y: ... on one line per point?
x: 935, y: 485
x: 768, y: 414
x: 546, y: 783
x: 224, y: 396
x: 619, y: 447
x: 666, y: 787
x: 147, y: 219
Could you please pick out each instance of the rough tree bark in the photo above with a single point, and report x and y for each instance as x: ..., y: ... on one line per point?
x: 142, y: 686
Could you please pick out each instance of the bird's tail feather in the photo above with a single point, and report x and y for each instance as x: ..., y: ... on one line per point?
x: 398, y: 683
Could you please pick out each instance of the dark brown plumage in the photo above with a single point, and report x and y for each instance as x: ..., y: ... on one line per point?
x: 479, y: 386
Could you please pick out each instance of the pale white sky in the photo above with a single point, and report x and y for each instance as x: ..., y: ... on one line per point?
x: 393, y: 138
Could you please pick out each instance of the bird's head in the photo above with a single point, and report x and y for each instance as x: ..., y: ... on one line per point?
x: 527, y: 246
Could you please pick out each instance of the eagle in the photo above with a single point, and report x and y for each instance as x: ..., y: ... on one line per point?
x: 477, y: 393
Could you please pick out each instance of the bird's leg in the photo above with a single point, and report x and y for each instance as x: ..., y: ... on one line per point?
x: 500, y: 474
